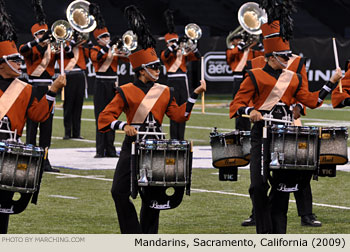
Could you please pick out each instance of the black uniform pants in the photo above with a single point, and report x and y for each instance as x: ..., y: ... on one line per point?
x: 127, y: 216
x: 259, y: 182
x: 73, y: 103
x: 103, y: 95
x: 45, y: 127
x: 181, y: 93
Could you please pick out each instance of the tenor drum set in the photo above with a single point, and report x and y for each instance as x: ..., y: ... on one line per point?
x: 295, y: 148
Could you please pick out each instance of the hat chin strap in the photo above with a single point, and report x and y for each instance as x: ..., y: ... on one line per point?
x: 279, y: 61
x: 154, y: 77
x: 8, y: 63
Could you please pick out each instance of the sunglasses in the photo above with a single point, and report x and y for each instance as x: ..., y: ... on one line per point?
x: 16, y: 60
x: 154, y: 66
x: 40, y: 33
x: 104, y: 36
x: 285, y: 57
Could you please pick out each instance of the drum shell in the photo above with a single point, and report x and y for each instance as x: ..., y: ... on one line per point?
x: 297, y: 147
x: 166, y: 162
x: 20, y: 167
x: 333, y: 148
x: 228, y: 150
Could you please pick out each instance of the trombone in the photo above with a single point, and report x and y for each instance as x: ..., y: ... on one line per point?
x: 61, y: 31
x: 250, y: 18
x: 192, y: 34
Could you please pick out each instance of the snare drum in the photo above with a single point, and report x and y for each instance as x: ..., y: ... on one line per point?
x: 230, y: 149
x: 20, y: 166
x: 333, y: 149
x: 294, y: 147
x: 163, y: 162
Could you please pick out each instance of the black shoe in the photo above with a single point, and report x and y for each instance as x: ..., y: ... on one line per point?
x: 48, y: 168
x: 66, y: 137
x: 98, y: 156
x: 310, y: 220
x: 78, y: 137
x: 249, y: 222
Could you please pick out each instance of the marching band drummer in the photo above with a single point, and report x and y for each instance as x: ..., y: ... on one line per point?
x: 105, y: 64
x: 18, y: 103
x: 303, y: 196
x: 175, y: 64
x: 133, y: 99
x: 40, y: 62
x: 266, y: 87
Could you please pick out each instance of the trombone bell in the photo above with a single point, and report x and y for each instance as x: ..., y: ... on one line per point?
x: 61, y: 30
x: 80, y: 17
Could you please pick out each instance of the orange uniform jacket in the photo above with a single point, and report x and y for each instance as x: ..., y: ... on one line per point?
x: 38, y: 111
x: 338, y: 97
x: 234, y: 56
x: 81, y: 62
x: 98, y: 63
x: 127, y: 100
x: 259, y: 90
x: 168, y: 62
x: 33, y: 58
x: 297, y: 66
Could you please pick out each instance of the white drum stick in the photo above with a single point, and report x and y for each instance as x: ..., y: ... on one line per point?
x: 143, y: 133
x: 271, y: 119
x: 202, y: 78
x: 337, y: 62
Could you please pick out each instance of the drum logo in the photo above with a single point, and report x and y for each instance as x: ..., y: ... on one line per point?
x: 170, y: 161
x: 156, y: 205
x: 22, y: 166
x: 302, y: 145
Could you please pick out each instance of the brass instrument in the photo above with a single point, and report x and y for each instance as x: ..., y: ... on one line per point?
x: 61, y: 31
x: 250, y: 18
x: 125, y: 45
x: 193, y: 34
x: 79, y: 18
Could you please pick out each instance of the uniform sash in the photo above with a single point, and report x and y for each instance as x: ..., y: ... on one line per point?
x: 43, y: 64
x: 73, y: 61
x: 147, y: 103
x: 177, y: 62
x: 107, y: 62
x: 278, y: 90
x: 242, y: 62
x: 10, y: 96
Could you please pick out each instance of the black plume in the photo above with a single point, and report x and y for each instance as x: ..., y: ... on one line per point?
x: 94, y: 10
x: 280, y: 10
x: 169, y: 19
x: 39, y: 12
x: 137, y: 23
x: 7, y: 27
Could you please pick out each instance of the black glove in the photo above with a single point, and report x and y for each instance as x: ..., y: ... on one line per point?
x: 183, y: 39
x: 46, y: 36
x: 241, y: 46
x: 114, y: 41
x: 346, y: 102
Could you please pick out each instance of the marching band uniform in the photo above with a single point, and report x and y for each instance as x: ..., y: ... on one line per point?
x: 40, y: 62
x: 133, y: 100
x: 105, y: 64
x: 18, y: 103
x: 303, y: 196
x: 266, y: 87
x: 75, y: 89
x: 175, y: 64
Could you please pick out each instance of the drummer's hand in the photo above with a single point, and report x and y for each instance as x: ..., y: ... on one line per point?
x: 59, y: 83
x: 336, y: 76
x: 130, y: 130
x: 200, y: 89
x: 255, y: 116
x: 296, y: 112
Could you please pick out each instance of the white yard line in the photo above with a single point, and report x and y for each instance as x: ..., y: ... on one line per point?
x: 66, y: 175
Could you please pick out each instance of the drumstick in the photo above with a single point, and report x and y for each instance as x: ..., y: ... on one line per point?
x: 142, y: 133
x: 62, y: 69
x: 270, y: 119
x: 337, y: 62
x: 202, y: 78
